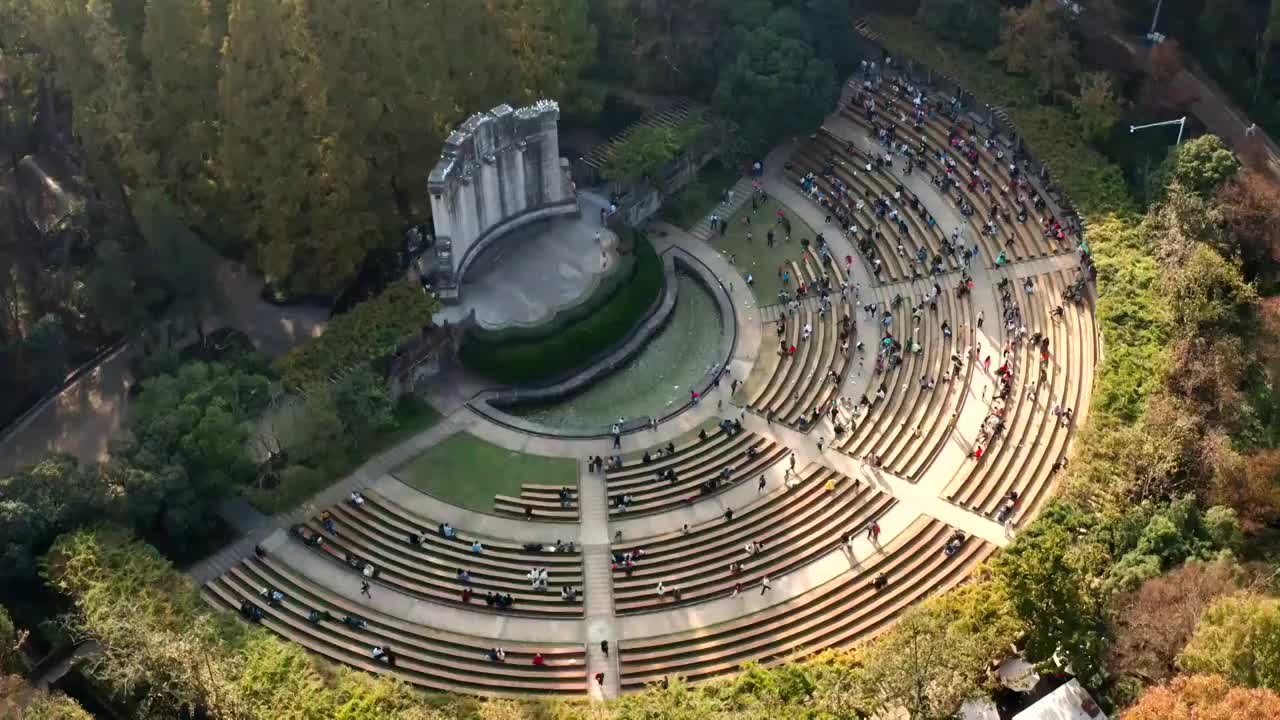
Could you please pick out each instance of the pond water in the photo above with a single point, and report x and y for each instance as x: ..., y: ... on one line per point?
x: 657, y: 381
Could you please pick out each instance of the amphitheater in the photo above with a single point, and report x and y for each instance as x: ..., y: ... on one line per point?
x: 831, y: 536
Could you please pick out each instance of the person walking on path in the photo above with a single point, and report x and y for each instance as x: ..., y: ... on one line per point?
x: 765, y: 586
x: 980, y: 319
x: 820, y: 441
x: 760, y: 487
x: 364, y: 590
x: 604, y: 647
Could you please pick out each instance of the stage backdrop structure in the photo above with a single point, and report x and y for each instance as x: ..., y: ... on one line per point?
x: 498, y: 171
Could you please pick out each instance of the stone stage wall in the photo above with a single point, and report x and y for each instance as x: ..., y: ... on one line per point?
x: 499, y: 170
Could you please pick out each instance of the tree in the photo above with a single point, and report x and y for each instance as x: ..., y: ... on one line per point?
x: 1208, y: 296
x: 1203, y: 697
x: 1152, y: 624
x: 177, y: 264
x: 1097, y: 105
x: 1035, y: 41
x: 369, y: 333
x: 1202, y: 165
x: 21, y: 701
x: 39, y: 502
x: 552, y: 42
x: 1043, y: 573
x: 1251, y: 202
x: 938, y: 654
x: 975, y: 23
x: 165, y: 649
x: 83, y: 47
x: 647, y: 150
x: 776, y: 86
x: 180, y: 45
x: 364, y: 404
x: 1238, y: 637
x: 1165, y: 61
x: 10, y: 657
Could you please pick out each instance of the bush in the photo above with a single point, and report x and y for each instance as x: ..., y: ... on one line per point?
x: 544, y: 360
x: 368, y: 333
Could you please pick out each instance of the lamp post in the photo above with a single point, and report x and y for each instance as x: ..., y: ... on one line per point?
x: 1180, y: 122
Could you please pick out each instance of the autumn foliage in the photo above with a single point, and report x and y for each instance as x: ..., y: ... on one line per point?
x: 1204, y: 697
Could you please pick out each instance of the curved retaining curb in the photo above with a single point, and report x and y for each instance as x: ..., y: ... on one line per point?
x: 488, y: 403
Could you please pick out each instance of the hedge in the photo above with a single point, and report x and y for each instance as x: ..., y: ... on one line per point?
x: 547, y: 359
x: 369, y: 332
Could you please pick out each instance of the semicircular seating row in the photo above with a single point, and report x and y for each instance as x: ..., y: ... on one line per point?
x: 947, y: 143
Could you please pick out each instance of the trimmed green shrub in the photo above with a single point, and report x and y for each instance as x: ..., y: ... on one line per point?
x: 368, y: 333
x: 543, y: 360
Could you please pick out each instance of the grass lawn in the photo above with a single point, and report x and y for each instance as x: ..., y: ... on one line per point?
x: 756, y: 257
x: 693, y: 202
x: 468, y: 472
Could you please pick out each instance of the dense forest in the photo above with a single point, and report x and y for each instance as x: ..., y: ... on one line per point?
x: 295, y: 136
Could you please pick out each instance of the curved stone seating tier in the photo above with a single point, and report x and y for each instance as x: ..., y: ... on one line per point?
x: 650, y: 494
x: 794, y: 525
x: 826, y: 148
x: 802, y: 382
x: 539, y: 502
x: 1022, y: 458
x: 425, y: 656
x: 1021, y: 241
x: 836, y: 614
x: 907, y: 427
x: 377, y: 533
x: 884, y: 183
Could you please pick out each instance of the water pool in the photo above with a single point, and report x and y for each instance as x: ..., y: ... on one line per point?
x: 682, y: 355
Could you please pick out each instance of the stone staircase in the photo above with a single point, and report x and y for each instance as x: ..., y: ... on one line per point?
x: 741, y: 192
x: 597, y: 588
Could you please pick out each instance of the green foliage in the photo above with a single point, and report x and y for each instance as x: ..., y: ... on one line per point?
x: 1238, y: 637
x: 938, y: 654
x: 649, y: 149
x: 1097, y: 105
x: 1209, y: 296
x: 1174, y: 534
x: 366, y: 335
x: 776, y: 86
x: 40, y: 502
x: 543, y: 360
x: 164, y: 648
x: 1131, y: 316
x: 363, y: 403
x: 695, y: 201
x: 973, y: 23
x: 1045, y: 575
x: 39, y: 704
x: 1203, y: 164
x: 10, y: 658
x: 1035, y: 41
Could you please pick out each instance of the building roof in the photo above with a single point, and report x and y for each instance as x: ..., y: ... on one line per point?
x: 1068, y: 702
